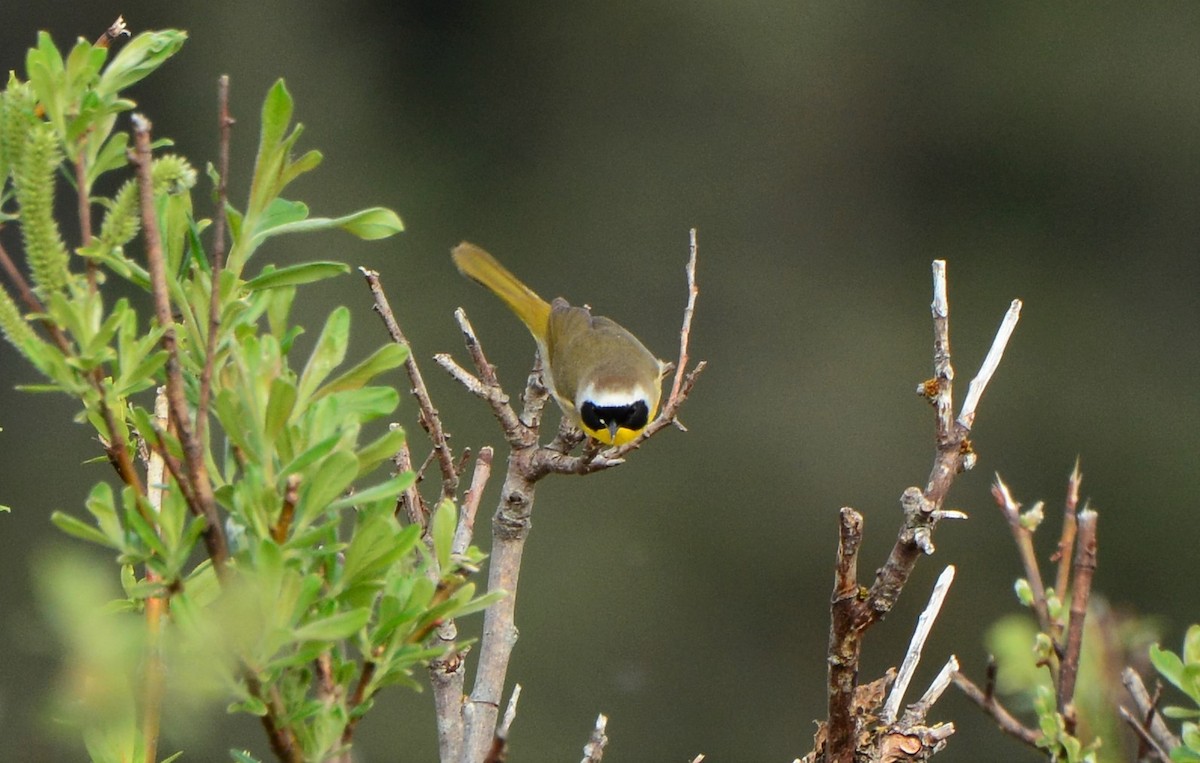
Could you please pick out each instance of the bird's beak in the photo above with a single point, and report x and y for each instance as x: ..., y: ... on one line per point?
x: 612, y: 431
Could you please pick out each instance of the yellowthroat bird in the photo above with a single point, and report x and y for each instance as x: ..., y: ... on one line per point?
x: 604, y: 379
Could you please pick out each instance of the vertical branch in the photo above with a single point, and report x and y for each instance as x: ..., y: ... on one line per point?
x: 688, y: 311
x: 943, y: 371
x: 448, y: 674
x: 156, y: 606
x: 193, y: 449
x: 84, y: 207
x: 510, y: 528
x: 1085, y: 568
x: 845, y: 640
x: 224, y: 125
x: 1023, y: 537
x: 1066, y: 542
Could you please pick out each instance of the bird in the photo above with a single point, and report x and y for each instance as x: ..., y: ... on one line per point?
x: 603, y: 377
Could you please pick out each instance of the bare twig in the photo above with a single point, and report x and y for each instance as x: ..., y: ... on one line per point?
x: 1066, y: 542
x: 685, y: 333
x: 485, y: 385
x: 499, y: 751
x: 429, y: 419
x: 193, y: 449
x: 986, y: 702
x: 844, y: 637
x: 1023, y: 537
x: 593, y: 751
x: 1147, y: 706
x: 224, y: 126
x: 917, y: 712
x: 1145, y: 738
x: 891, y: 709
x: 470, y: 506
x: 1085, y: 568
x: 990, y: 363
x: 409, y: 501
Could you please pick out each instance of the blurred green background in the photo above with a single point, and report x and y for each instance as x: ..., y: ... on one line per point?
x: 827, y: 152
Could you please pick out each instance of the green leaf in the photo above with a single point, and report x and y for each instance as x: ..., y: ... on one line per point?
x: 276, y: 115
x: 1191, y: 646
x: 480, y: 604
x: 384, y: 359
x: 333, y: 476
x: 311, y: 455
x: 377, y: 544
x: 390, y: 489
x: 364, y: 404
x: 380, y: 450
x: 367, y: 224
x: 101, y: 506
x: 279, y: 407
x: 335, y: 627
x: 77, y: 528
x: 138, y: 58
x: 329, y: 352
x: 444, y: 520
x: 295, y: 275
x: 1168, y: 664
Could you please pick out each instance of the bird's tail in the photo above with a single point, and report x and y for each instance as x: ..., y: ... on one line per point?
x: 478, y: 265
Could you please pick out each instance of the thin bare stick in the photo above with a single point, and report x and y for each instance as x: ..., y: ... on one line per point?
x: 990, y: 363
x: 1023, y: 537
x: 429, y: 419
x: 409, y: 502
x: 917, y: 712
x: 1147, y: 706
x: 1145, y: 738
x: 470, y: 506
x: 1066, y: 542
x: 193, y: 449
x: 943, y: 371
x: 689, y: 310
x: 593, y: 751
x: 1085, y: 569
x: 224, y: 128
x: 499, y: 751
x: 891, y: 709
x: 1007, y: 723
